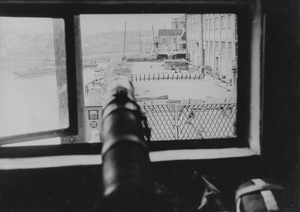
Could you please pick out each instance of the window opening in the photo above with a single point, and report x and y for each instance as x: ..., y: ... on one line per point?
x: 223, y: 21
x: 182, y: 91
x: 210, y: 23
x: 217, y: 23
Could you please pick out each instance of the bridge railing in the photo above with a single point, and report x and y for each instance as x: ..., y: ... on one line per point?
x: 165, y: 76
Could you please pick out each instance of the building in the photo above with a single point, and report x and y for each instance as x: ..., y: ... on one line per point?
x: 212, y: 41
x: 172, y: 42
x: 179, y: 23
x: 169, y: 39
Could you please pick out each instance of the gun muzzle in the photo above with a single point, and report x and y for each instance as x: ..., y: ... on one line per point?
x: 127, y: 182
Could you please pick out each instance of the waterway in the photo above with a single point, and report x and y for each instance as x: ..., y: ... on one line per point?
x: 30, y: 104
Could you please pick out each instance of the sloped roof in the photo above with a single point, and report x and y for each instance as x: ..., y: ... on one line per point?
x: 166, y: 32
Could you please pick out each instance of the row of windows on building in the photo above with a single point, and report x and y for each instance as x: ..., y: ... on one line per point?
x: 210, y: 22
x: 210, y: 47
x: 224, y: 49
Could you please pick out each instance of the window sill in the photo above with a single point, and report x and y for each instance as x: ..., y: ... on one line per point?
x: 95, y: 159
x: 200, y: 154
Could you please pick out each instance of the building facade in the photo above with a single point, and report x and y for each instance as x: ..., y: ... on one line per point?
x: 194, y: 39
x: 212, y: 41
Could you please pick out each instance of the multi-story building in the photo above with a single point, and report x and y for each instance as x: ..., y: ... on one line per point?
x: 194, y: 34
x: 212, y: 41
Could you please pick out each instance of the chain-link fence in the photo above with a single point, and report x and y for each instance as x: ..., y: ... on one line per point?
x: 191, y: 121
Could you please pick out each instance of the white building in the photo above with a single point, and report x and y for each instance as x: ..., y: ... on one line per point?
x: 212, y: 41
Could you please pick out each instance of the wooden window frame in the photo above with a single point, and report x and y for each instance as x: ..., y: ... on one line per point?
x: 72, y: 86
x: 249, y: 103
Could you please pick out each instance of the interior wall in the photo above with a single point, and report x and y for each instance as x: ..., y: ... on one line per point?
x: 280, y: 106
x: 79, y: 188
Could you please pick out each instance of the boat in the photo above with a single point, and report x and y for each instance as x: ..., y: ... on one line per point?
x: 101, y: 67
x: 38, y: 70
x: 94, y: 60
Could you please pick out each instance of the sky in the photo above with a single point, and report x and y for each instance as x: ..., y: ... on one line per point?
x: 90, y: 24
x: 25, y: 25
x: 101, y: 23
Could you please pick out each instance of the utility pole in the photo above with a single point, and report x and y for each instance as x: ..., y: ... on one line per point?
x: 176, y: 27
x: 186, y: 37
x: 153, y: 33
x: 140, y: 40
x: 176, y: 34
x: 202, y: 40
x: 154, y: 48
x: 124, y: 41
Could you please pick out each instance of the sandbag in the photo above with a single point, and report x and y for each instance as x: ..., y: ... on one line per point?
x: 259, y: 195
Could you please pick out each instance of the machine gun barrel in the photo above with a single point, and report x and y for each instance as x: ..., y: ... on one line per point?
x: 127, y: 182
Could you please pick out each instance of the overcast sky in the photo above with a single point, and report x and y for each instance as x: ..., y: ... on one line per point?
x: 90, y: 23
x: 25, y: 25
x: 101, y: 23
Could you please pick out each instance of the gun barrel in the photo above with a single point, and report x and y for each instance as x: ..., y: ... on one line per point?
x: 126, y: 174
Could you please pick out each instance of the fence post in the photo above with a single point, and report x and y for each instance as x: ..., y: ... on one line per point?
x: 176, y: 121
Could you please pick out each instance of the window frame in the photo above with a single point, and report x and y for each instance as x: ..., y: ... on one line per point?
x: 72, y: 87
x: 248, y: 47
